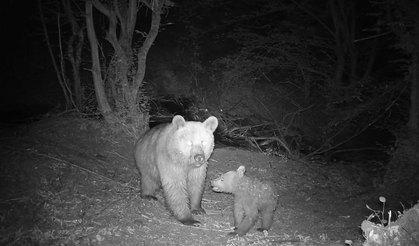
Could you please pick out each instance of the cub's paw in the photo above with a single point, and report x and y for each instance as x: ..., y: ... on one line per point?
x: 149, y: 197
x: 198, y: 211
x: 190, y: 222
x: 261, y: 229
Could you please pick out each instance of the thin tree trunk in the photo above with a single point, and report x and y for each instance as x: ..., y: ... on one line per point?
x: 371, y: 59
x: 54, y: 63
x: 413, y: 123
x: 142, y: 53
x: 75, y: 46
x: 76, y: 70
x: 350, y: 41
x: 344, y: 21
x: 103, y: 104
x: 339, y: 48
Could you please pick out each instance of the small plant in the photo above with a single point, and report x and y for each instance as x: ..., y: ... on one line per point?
x: 398, y: 233
x: 376, y: 213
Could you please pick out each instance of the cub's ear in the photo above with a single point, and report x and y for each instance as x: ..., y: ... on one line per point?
x: 240, y: 171
x: 211, y: 123
x: 178, y: 122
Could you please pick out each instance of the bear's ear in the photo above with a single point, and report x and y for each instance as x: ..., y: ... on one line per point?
x: 211, y: 123
x: 178, y: 122
x: 240, y: 171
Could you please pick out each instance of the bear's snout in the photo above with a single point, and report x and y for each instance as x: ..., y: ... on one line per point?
x: 199, y: 159
x: 216, y: 188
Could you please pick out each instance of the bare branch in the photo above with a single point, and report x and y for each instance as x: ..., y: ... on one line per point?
x: 371, y: 37
x: 101, y: 7
x: 315, y: 17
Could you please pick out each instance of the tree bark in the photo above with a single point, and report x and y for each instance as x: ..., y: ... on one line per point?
x: 339, y: 48
x: 124, y: 14
x: 344, y: 21
x: 122, y: 18
x: 74, y: 49
x: 103, y: 104
x: 142, y: 53
x: 413, y: 122
x: 54, y: 63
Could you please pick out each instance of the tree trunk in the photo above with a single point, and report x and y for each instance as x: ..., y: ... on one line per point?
x: 142, y: 53
x: 404, y: 166
x: 103, y: 104
x: 127, y: 78
x: 54, y: 63
x: 74, y: 48
x: 123, y: 16
x: 344, y: 22
x: 350, y: 42
x: 371, y: 59
x: 339, y: 47
x: 413, y: 123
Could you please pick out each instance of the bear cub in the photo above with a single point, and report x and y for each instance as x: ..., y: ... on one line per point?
x: 251, y: 196
x: 175, y: 157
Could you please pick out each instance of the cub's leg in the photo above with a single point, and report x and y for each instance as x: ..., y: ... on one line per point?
x: 248, y: 221
x: 196, y: 181
x: 267, y: 218
x: 238, y: 213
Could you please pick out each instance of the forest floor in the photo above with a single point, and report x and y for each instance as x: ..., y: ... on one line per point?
x: 69, y: 181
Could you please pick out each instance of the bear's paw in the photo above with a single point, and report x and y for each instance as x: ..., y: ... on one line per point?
x: 190, y: 222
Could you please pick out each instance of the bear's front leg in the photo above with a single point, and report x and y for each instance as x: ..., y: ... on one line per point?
x: 196, y: 182
x: 176, y: 197
x: 149, y: 185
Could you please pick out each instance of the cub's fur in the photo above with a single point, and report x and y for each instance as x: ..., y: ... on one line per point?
x: 175, y: 156
x: 250, y: 197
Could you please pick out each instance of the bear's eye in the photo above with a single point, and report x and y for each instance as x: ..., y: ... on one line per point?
x: 189, y: 143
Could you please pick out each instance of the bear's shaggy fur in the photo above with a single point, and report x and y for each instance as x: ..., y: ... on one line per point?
x: 250, y: 197
x: 174, y: 156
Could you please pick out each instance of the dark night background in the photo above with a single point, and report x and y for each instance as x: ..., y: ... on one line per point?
x: 28, y: 86
x: 250, y: 63
x: 320, y: 96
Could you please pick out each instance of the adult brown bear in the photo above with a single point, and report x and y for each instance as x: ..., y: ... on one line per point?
x: 251, y: 196
x: 175, y: 156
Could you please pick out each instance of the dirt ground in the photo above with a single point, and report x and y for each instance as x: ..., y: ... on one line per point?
x: 69, y: 181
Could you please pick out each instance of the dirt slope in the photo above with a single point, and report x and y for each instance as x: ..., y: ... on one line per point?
x: 70, y: 181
